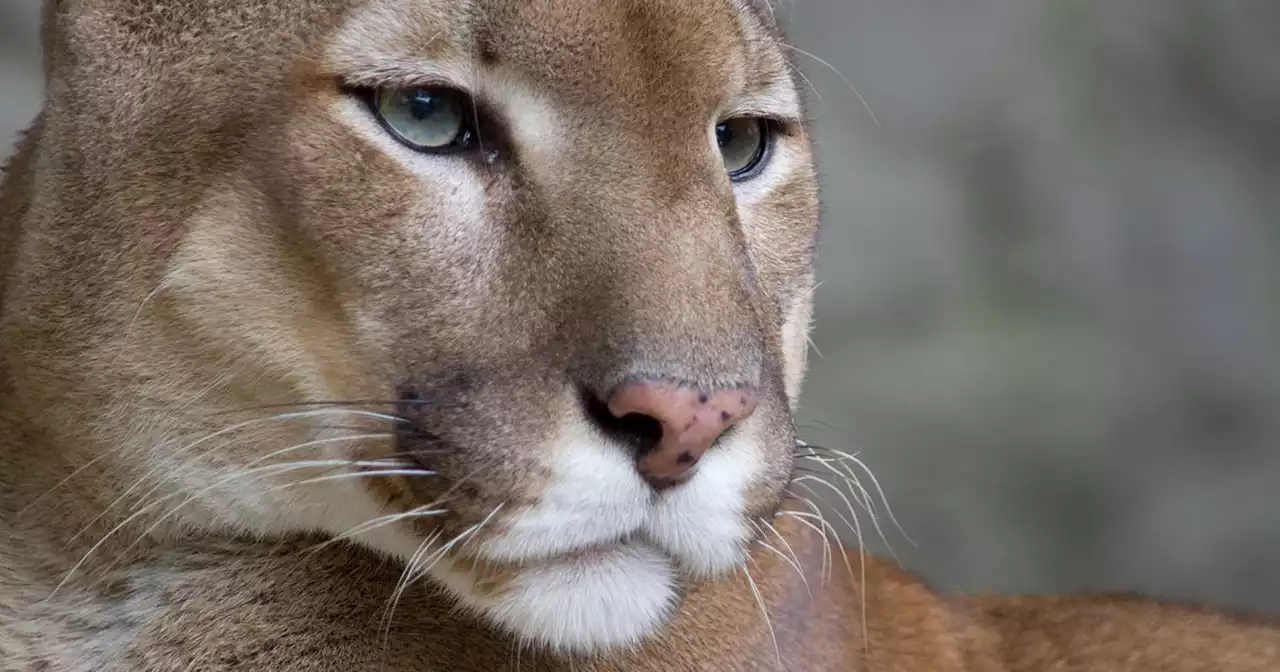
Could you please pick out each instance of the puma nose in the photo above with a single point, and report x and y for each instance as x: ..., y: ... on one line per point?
x: 690, y: 420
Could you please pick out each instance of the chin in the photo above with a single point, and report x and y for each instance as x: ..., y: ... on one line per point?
x: 599, y: 599
x: 599, y: 561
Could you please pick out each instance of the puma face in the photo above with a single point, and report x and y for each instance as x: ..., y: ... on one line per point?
x: 515, y: 291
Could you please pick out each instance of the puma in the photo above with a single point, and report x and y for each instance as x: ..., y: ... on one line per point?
x: 362, y: 335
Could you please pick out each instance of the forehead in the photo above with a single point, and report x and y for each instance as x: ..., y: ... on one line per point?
x: 683, y: 53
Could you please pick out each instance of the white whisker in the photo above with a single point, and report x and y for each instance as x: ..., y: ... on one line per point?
x: 352, y: 475
x: 306, y: 444
x: 865, y: 500
x: 862, y: 555
x: 461, y: 538
x: 280, y: 468
x: 764, y: 612
x: 876, y: 483
x: 283, y: 468
x: 826, y: 541
x: 293, y: 415
x: 844, y: 473
x: 852, y: 524
x: 839, y: 74
x: 805, y: 78
x: 785, y: 544
x: 424, y: 511
x: 389, y: 611
x: 794, y: 565
x: 114, y: 451
x: 412, y: 573
x: 815, y: 513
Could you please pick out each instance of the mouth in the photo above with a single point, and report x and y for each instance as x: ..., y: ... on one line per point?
x: 597, y: 508
x: 584, y: 555
x: 597, y: 551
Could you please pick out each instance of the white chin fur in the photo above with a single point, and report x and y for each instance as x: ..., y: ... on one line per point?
x: 603, y: 600
x: 574, y: 600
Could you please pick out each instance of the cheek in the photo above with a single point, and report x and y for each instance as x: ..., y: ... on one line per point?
x: 785, y: 273
x: 781, y: 230
x: 402, y: 239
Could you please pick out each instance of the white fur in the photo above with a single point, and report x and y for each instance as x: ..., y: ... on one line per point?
x: 783, y: 157
x: 781, y: 99
x: 533, y: 119
x: 604, y: 599
x: 596, y: 496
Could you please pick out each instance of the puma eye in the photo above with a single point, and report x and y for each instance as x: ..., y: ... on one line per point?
x: 426, y: 119
x: 743, y: 142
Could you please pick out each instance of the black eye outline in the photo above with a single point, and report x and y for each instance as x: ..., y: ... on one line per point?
x: 468, y: 135
x: 768, y: 130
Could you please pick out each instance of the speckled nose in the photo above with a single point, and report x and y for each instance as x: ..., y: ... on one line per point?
x: 691, y: 421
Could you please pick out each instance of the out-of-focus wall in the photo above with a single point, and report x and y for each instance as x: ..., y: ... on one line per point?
x: 1050, y: 311
x: 19, y: 67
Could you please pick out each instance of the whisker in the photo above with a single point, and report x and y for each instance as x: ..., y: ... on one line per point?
x: 352, y: 475
x: 815, y: 513
x: 806, y: 80
x: 350, y: 403
x: 241, y: 474
x: 862, y: 554
x: 439, y: 500
x: 865, y: 500
x: 786, y: 544
x: 412, y: 574
x: 859, y: 493
x: 461, y: 538
x: 814, y: 344
x: 839, y: 74
x: 299, y: 446
x: 90, y: 525
x: 789, y: 561
x: 290, y: 466
x: 826, y: 541
x: 853, y: 525
x: 424, y: 511
x: 876, y: 483
x: 764, y: 612
x: 384, y: 627
x: 254, y: 422
x: 114, y: 451
x: 846, y: 474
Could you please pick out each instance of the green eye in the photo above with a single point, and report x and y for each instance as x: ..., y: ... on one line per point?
x: 743, y: 142
x: 427, y: 120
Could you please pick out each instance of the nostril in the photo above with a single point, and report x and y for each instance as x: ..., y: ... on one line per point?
x: 642, y: 432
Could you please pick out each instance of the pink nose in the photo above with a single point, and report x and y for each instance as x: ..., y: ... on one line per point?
x: 691, y: 420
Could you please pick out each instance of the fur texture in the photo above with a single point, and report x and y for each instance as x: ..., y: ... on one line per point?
x: 278, y: 392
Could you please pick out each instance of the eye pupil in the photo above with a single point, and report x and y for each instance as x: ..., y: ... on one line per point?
x: 423, y: 105
x: 724, y: 135
x: 743, y: 142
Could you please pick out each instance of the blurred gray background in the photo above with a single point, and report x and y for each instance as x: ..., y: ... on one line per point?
x: 1050, y: 311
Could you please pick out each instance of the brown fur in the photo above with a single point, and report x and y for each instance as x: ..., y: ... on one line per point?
x: 192, y: 233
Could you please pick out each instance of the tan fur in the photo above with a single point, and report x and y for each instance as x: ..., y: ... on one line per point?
x: 202, y: 229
